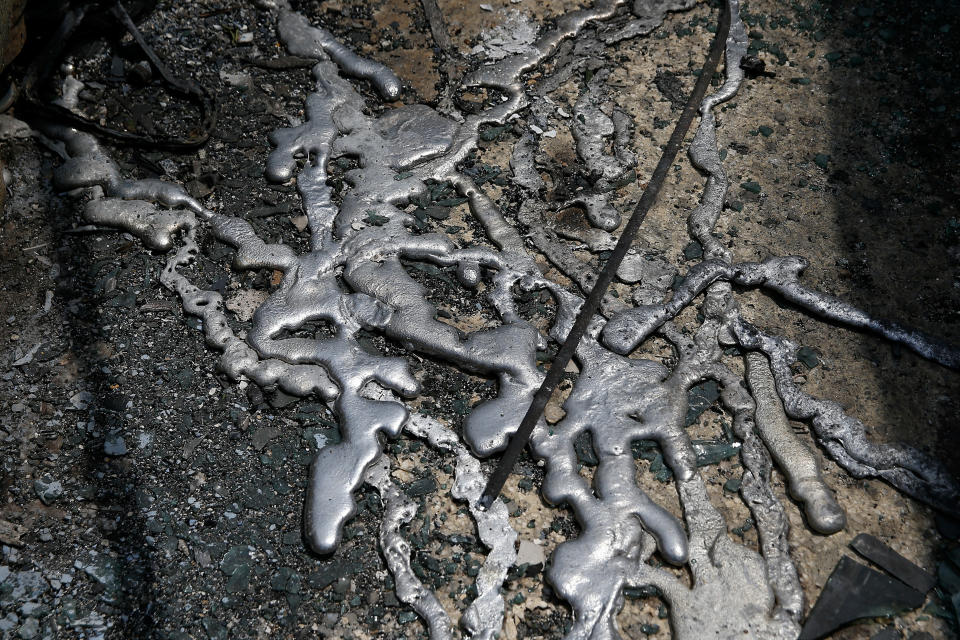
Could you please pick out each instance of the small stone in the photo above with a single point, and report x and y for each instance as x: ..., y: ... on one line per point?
x: 438, y: 213
x: 693, y: 251
x: 822, y: 160
x: 81, y: 400
x: 104, y: 572
x: 115, y: 445
x: 245, y: 38
x: 553, y: 413
x: 263, y: 435
x: 586, y: 455
x: 202, y: 556
x: 751, y: 186
x: 215, y: 630
x: 631, y: 269
x: 714, y: 451
x: 422, y: 487
x: 300, y: 222
x: 332, y: 618
x: 700, y: 398
x: 25, y: 585
x: 233, y: 558
x: 236, y: 565
x: 733, y: 484
x: 342, y: 585
x: 48, y: 489
x: 140, y: 73
x: 8, y: 622
x: 239, y: 580
x: 530, y: 553
x: 29, y: 629
x: 279, y: 399
x: 10, y: 533
x: 808, y: 357
x: 765, y: 131
x: 11, y: 128
x: 286, y: 580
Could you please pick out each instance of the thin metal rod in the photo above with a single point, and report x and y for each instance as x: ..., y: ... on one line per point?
x: 592, y: 303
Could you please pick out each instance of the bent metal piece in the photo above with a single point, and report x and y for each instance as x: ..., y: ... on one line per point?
x: 592, y: 303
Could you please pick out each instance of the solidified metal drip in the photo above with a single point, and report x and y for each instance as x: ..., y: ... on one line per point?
x: 805, y: 480
x: 484, y: 617
x: 352, y: 278
x: 397, y: 511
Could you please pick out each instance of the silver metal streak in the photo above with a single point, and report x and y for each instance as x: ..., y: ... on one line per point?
x: 353, y: 277
x: 801, y: 467
x: 397, y: 511
x: 483, y: 619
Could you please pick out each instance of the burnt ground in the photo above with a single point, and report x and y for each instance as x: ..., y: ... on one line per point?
x: 146, y: 496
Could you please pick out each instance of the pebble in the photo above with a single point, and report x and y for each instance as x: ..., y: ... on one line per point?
x: 693, y: 251
x: 48, y: 489
x: 29, y: 629
x: 235, y: 79
x: 553, y: 413
x: 530, y: 553
x: 81, y: 400
x: 141, y: 72
x: 115, y: 445
x: 300, y: 222
x: 263, y: 435
x: 8, y: 622
x: 808, y: 357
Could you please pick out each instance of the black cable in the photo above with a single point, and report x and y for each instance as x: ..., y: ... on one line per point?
x: 42, y: 67
x: 592, y: 303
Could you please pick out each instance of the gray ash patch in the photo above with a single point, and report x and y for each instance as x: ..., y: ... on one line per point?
x: 449, y: 393
x: 671, y: 87
x: 451, y: 299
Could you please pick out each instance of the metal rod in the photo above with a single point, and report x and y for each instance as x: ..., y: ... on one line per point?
x: 592, y: 303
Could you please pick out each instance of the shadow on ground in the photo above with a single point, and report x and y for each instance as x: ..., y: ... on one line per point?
x: 896, y: 129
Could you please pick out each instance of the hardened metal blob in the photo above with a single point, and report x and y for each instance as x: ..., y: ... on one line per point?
x: 353, y: 277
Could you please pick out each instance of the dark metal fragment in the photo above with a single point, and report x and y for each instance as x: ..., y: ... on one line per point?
x: 895, y: 564
x: 855, y: 591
